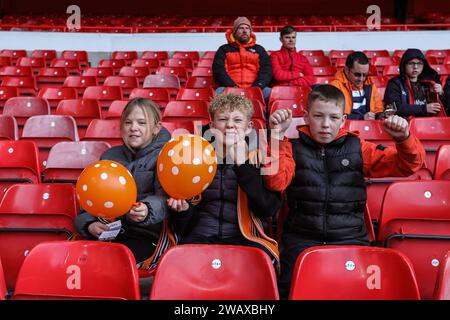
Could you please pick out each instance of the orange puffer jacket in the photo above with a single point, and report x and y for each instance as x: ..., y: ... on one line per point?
x: 242, y: 65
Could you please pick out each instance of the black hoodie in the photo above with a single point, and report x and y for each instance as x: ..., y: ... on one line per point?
x: 397, y: 89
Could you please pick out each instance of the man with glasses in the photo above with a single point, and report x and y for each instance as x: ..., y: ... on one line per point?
x: 362, y: 101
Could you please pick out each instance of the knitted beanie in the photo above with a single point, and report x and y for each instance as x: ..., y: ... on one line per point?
x: 239, y: 21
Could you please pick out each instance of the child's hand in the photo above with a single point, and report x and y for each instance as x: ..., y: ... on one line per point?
x: 177, y: 205
x: 138, y: 212
x: 396, y: 127
x: 97, y: 228
x: 437, y: 88
x: 433, y: 108
x: 279, y: 122
x: 238, y: 152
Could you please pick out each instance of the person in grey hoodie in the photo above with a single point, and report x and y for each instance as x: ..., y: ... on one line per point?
x: 143, y: 138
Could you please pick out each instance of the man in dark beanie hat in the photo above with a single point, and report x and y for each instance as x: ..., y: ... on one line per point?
x: 241, y: 62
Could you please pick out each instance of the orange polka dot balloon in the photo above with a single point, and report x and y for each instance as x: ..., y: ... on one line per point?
x: 106, y: 189
x: 186, y: 166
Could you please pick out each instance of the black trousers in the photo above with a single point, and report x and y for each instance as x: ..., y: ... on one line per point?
x: 293, y: 245
x: 142, y: 248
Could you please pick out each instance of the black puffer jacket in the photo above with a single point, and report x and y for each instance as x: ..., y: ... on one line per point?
x: 216, y: 214
x: 142, y: 166
x: 328, y: 193
x: 397, y: 88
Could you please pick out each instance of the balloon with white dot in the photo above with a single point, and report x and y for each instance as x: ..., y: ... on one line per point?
x: 186, y: 166
x: 106, y: 189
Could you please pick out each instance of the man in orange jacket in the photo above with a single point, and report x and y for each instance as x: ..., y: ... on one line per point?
x: 322, y: 173
x: 241, y: 62
x: 362, y: 100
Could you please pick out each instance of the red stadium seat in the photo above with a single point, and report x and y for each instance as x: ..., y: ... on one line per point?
x: 218, y: 279
x: 26, y: 86
x: 202, y: 72
x: 21, y: 108
x: 371, y: 130
x: 138, y: 72
x: 432, y: 132
x: 82, y: 110
x: 391, y: 71
x: 47, y: 130
x: 104, y: 130
x: 250, y: 93
x: 104, y: 94
x: 381, y: 62
x: 19, y: 163
x: 128, y: 56
x: 126, y: 83
x: 324, y: 80
x: 180, y: 127
x: 67, y: 160
x: 8, y: 128
x: 324, y: 71
x: 180, y: 62
x: 442, y: 288
x: 163, y: 81
x: 209, y: 55
x: 13, y: 54
x: 288, y: 93
x: 115, y: 109
x: 33, y: 63
x: 7, y: 93
x: 5, y: 62
x: 194, y: 82
x: 72, y: 66
x: 16, y: 71
x: 193, y: 55
x: 80, y: 56
x: 158, y: 95
x: 180, y: 72
x: 187, y: 110
x: 442, y: 167
x: 55, y: 95
x: 152, y: 64
x: 298, y: 107
x: 50, y: 77
x: 313, y: 53
x: 373, y: 54
x: 205, y: 63
x: 80, y: 83
x: 45, y: 272
x: 337, y: 54
x: 353, y: 273
x: 48, y: 55
x: 319, y: 61
x: 440, y: 55
x: 441, y: 69
x: 195, y: 94
x: 160, y: 55
x: 419, y: 227
x: 100, y: 73
x: 115, y: 64
x: 47, y: 214
x: 398, y: 53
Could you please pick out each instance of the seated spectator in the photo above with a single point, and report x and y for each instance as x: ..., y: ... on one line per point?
x: 242, y: 63
x: 362, y: 101
x: 412, y: 91
x: 322, y: 173
x: 143, y: 137
x: 222, y: 215
x: 289, y: 67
